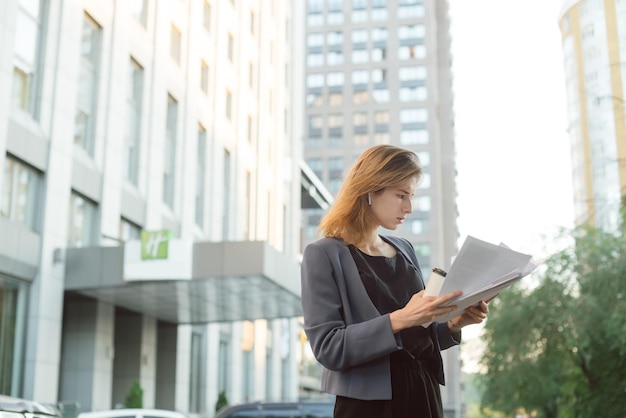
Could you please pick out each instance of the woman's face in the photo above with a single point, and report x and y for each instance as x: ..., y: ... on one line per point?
x: 391, y: 205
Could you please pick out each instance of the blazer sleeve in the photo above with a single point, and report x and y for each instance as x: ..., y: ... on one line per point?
x: 336, y: 344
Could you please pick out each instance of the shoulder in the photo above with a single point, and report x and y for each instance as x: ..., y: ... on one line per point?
x: 326, y: 244
x: 398, y: 241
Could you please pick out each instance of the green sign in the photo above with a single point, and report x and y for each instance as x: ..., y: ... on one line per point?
x: 155, y: 244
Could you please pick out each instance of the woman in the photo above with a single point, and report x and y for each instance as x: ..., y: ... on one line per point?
x: 362, y: 298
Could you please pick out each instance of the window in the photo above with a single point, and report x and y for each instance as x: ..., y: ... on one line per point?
x: 316, y: 165
x: 315, y: 6
x: 334, y: 38
x: 139, y: 9
x: 422, y: 203
x: 28, y: 26
x: 250, y: 129
x: 315, y: 39
x: 359, y: 36
x: 169, y: 163
x: 315, y: 80
x: 133, y: 121
x: 379, y: 35
x: 414, y: 115
x: 335, y: 120
x: 359, y: 118
x: 361, y: 140
x: 412, y: 73
x: 84, y: 129
x: 411, y: 32
x: 410, y: 11
x: 379, y: 54
x: 226, y: 196
x: 414, y: 137
x: 175, y: 44
x: 407, y: 52
x: 204, y: 77
x: 360, y: 77
x: 410, y: 94
x: 334, y: 58
x: 335, y: 99
x: 231, y: 47
x: 359, y: 16
x: 360, y: 56
x: 381, y: 117
x: 335, y: 79
x: 380, y: 95
x: 379, y: 14
x: 360, y: 97
x: 315, y: 60
x: 314, y: 99
x: 424, y: 158
x: 82, y: 218
x: 128, y: 230
x: 251, y: 75
x: 379, y: 75
x: 20, y: 193
x: 200, y: 175
x: 316, y: 122
x: 206, y: 16
x: 229, y: 105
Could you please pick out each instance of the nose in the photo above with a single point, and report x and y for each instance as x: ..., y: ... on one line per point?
x: 408, y: 208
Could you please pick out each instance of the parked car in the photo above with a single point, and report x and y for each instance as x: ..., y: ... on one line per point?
x: 132, y: 413
x: 304, y: 409
x: 11, y: 407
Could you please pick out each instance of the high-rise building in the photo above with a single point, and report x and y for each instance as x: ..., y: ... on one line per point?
x: 593, y: 34
x: 379, y: 72
x: 151, y: 185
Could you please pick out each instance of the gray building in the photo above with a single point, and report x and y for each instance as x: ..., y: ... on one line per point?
x: 378, y: 72
x: 151, y: 185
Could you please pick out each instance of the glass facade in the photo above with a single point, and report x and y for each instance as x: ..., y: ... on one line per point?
x: 13, y: 296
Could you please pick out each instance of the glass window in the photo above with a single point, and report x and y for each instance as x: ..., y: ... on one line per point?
x: 360, y: 97
x: 381, y: 117
x: 359, y: 36
x: 359, y: 16
x: 379, y: 54
x: 316, y: 165
x: 411, y: 94
x: 361, y: 140
x: 200, y: 175
x: 229, y: 104
x: 412, y: 73
x: 314, y: 142
x: 84, y: 129
x: 334, y: 18
x: 129, y: 230
x: 315, y: 80
x: 335, y: 79
x: 413, y: 11
x: 424, y: 158
x: 20, y: 193
x: 82, y: 218
x: 133, y: 121
x: 422, y: 203
x: 335, y: 99
x: 359, y: 118
x: 314, y: 99
x: 379, y: 34
x: 359, y: 4
x: 204, y: 77
x: 335, y: 141
x: 335, y: 58
x: 380, y: 95
x: 28, y: 26
x: 417, y: 226
x: 231, y: 47
x: 413, y: 115
x: 335, y: 5
x: 411, y: 32
x: 314, y: 20
x: 13, y: 299
x: 379, y: 14
x: 335, y: 164
x: 360, y: 77
x: 175, y: 44
x: 360, y: 56
x: 315, y: 6
x: 315, y: 39
x: 407, y: 52
x: 424, y: 183
x: 206, y: 16
x: 139, y: 9
x: 379, y: 75
x: 414, y: 137
x: 334, y: 38
x: 315, y: 60
x: 169, y: 164
x: 381, y: 138
x: 316, y: 122
x: 335, y: 120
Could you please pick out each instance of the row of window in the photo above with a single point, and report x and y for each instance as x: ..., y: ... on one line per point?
x: 338, y: 17
x: 360, y: 36
x: 364, y: 139
x: 361, y: 56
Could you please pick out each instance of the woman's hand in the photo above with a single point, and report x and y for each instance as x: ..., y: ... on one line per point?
x: 421, y: 309
x: 472, y: 315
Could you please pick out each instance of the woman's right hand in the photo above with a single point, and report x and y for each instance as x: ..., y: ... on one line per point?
x: 422, y: 309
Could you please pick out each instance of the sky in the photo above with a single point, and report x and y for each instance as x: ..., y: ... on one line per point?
x: 513, y: 161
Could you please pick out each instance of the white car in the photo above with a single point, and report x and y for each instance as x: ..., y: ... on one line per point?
x: 132, y: 413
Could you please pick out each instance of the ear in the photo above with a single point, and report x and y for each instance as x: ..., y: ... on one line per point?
x: 369, y: 199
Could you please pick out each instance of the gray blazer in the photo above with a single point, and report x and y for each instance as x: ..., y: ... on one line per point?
x: 347, y: 334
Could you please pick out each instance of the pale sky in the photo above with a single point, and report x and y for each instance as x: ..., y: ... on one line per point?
x: 514, y: 176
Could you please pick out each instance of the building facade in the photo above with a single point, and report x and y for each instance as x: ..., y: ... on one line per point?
x: 378, y: 72
x: 151, y: 186
x: 594, y: 49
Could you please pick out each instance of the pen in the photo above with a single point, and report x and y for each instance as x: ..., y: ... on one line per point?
x: 440, y: 272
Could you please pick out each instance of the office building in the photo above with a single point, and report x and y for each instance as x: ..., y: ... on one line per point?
x: 593, y: 34
x: 378, y: 72
x: 151, y: 185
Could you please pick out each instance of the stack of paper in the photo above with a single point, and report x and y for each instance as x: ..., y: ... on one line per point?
x: 481, y: 270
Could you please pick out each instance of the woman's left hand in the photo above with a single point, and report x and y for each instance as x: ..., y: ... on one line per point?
x: 472, y: 315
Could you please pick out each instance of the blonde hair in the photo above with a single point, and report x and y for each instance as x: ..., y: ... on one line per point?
x: 376, y: 168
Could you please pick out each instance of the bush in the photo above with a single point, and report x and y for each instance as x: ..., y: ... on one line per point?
x: 134, y: 397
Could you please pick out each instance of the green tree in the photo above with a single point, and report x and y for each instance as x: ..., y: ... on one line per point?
x: 134, y: 397
x: 559, y: 349
x: 222, y: 401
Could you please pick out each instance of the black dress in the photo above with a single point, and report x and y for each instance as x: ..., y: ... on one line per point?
x: 390, y: 282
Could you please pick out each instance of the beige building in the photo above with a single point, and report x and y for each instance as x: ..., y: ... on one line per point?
x: 151, y: 185
x: 594, y: 48
x: 378, y: 72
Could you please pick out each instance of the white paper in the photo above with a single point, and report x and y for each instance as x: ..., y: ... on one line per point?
x: 481, y: 270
